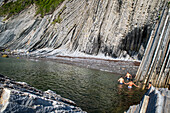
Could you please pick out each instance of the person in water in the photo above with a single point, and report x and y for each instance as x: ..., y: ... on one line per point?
x: 128, y: 76
x: 121, y: 80
x: 149, y: 86
x: 130, y: 84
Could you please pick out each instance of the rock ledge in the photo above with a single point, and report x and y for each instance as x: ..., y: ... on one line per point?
x: 20, y: 97
x: 156, y: 100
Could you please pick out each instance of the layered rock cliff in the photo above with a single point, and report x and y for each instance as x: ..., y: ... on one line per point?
x: 116, y: 28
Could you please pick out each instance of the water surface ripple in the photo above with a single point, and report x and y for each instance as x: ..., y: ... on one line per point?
x: 93, y: 90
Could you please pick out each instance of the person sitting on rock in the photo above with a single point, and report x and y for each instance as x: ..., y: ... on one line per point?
x: 149, y: 86
x: 128, y: 76
x: 130, y: 84
x: 121, y: 80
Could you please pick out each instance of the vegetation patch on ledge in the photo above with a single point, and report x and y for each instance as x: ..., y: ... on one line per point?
x: 43, y: 6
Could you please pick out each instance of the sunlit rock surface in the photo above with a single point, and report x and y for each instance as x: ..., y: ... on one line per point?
x: 159, y: 102
x: 20, y: 97
x: 1, y: 2
x: 116, y: 28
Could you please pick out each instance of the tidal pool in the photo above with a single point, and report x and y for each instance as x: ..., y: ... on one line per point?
x: 93, y: 90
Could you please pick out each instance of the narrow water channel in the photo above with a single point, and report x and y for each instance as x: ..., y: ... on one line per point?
x: 92, y: 90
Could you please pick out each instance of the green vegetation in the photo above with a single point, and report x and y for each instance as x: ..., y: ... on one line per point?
x: 12, y: 8
x: 43, y: 6
x: 46, y: 6
x: 57, y: 20
x: 8, y: 50
x: 159, y: 17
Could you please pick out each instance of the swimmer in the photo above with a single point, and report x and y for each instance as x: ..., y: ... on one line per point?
x: 130, y: 84
x: 128, y: 76
x: 121, y: 80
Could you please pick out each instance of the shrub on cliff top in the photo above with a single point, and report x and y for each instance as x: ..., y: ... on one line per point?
x: 12, y: 8
x: 43, y: 6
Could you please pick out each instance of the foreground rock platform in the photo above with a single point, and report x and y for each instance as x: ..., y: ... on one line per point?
x: 19, y: 97
x: 156, y: 100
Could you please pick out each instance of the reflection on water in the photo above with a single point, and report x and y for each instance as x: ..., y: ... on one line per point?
x: 92, y: 90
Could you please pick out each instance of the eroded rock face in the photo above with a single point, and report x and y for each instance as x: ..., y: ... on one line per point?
x: 116, y: 28
x: 20, y: 97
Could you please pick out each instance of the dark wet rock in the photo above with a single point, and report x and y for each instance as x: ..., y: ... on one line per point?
x: 2, y: 48
x: 158, y: 102
x: 20, y: 97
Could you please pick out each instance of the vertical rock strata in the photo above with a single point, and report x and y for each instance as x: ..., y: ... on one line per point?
x: 155, y: 65
x: 158, y: 101
x: 116, y: 28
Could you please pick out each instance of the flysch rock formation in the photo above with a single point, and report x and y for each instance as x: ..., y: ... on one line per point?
x: 155, y: 65
x: 116, y: 28
x: 156, y: 100
x: 19, y: 97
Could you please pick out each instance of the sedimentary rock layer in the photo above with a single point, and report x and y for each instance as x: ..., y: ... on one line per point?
x: 155, y: 65
x: 117, y: 28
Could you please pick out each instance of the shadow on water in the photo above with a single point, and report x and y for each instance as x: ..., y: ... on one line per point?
x: 94, y: 91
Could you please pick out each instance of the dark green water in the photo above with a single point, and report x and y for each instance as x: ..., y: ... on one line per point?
x: 92, y: 90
